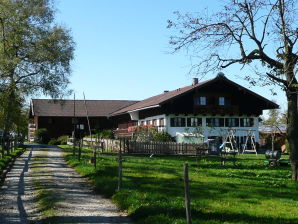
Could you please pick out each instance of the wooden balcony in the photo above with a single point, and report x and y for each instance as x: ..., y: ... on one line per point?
x: 126, y: 130
x: 127, y: 125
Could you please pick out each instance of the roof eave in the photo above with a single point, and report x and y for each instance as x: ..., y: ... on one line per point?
x: 144, y: 108
x: 130, y: 111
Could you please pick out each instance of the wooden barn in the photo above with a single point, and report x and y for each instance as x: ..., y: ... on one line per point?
x: 58, y: 116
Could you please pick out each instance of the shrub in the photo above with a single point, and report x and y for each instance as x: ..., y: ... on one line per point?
x: 151, y: 134
x: 63, y: 139
x: 162, y: 137
x: 54, y: 141
x: 41, y: 136
x: 106, y: 134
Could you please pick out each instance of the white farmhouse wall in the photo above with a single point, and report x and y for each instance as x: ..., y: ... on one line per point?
x: 206, y: 131
x: 214, y: 131
x: 158, y: 117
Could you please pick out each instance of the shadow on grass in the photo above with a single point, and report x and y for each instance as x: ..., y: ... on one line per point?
x: 87, y: 219
x: 142, y: 212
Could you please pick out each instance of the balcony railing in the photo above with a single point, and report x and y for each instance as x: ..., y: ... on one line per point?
x: 125, y: 130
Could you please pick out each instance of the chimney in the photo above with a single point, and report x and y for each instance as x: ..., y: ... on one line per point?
x: 220, y: 74
x: 195, y: 81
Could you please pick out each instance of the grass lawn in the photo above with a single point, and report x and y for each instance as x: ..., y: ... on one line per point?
x: 153, y: 188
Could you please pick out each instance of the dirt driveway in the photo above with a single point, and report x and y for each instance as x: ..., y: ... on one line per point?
x: 41, y: 188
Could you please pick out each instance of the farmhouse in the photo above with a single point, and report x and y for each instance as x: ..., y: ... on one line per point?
x: 210, y: 109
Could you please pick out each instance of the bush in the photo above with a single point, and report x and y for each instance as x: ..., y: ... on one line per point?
x: 151, y: 134
x: 54, y: 141
x: 162, y: 137
x: 63, y: 139
x: 41, y: 136
x: 106, y: 134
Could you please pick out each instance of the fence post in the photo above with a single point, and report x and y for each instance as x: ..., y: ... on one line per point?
x: 119, y: 171
x: 186, y: 193
x: 127, y: 141
x: 80, y: 149
x: 74, y: 146
x: 94, y: 154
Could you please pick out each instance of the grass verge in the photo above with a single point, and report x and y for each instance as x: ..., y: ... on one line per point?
x: 45, y: 196
x: 8, y: 158
x: 250, y: 192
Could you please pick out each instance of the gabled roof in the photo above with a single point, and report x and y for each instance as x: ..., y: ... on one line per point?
x: 65, y: 108
x: 158, y: 100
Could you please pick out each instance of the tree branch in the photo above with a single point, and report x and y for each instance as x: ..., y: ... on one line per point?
x: 284, y: 82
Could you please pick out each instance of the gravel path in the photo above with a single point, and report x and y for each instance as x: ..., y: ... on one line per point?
x: 74, y: 199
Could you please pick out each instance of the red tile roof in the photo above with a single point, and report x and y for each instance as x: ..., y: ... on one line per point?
x: 65, y: 108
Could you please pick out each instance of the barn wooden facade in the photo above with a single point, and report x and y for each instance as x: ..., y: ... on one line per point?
x: 58, y: 116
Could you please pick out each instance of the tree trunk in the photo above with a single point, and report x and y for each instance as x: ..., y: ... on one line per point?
x: 292, y: 132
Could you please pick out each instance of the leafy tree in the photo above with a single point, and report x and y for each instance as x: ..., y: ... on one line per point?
x: 273, y: 118
x: 35, y: 55
x: 260, y: 34
x: 283, y: 119
x: 274, y: 122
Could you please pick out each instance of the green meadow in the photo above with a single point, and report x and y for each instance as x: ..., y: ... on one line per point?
x: 153, y: 188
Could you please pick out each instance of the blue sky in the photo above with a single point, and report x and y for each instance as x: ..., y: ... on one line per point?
x: 122, y: 49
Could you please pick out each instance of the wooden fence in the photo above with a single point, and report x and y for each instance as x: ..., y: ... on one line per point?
x: 165, y: 148
x: 157, y: 148
x: 108, y: 145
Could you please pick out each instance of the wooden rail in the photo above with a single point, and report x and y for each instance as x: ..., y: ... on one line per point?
x: 157, y: 148
x: 165, y: 148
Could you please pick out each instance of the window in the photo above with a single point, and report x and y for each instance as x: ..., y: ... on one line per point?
x: 148, y: 122
x: 154, y: 122
x: 221, y: 101
x: 178, y: 122
x: 246, y: 122
x: 194, y: 122
x: 232, y: 122
x: 215, y: 122
x: 161, y: 122
x: 199, y: 101
x: 142, y: 123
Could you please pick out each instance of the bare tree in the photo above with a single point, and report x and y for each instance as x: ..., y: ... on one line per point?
x: 261, y: 34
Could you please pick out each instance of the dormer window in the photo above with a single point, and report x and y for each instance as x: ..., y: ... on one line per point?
x: 221, y: 101
x: 200, y: 101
